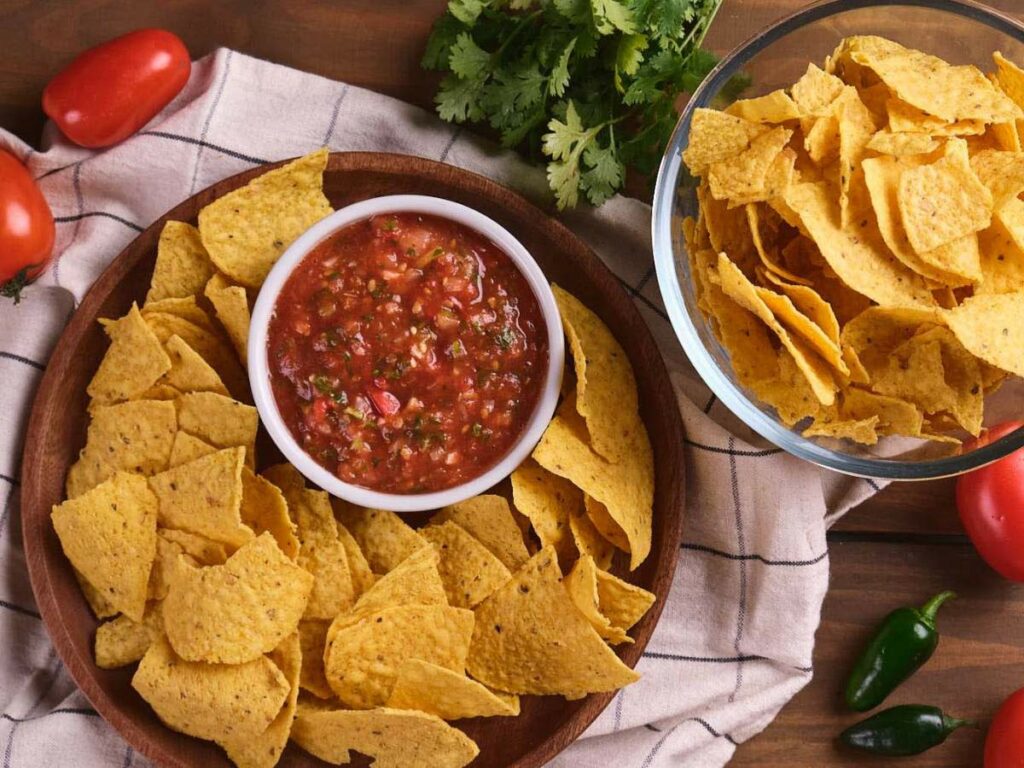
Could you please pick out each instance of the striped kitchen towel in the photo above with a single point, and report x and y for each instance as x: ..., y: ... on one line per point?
x: 735, y: 640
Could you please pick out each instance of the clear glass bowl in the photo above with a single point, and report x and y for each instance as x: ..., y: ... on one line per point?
x: 959, y: 31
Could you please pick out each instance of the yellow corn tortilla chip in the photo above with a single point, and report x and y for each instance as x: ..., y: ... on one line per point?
x: 788, y: 392
x: 856, y: 254
x: 606, y: 393
x: 856, y: 127
x: 903, y: 118
x: 786, y: 312
x: 604, y: 523
x: 189, y: 372
x: 264, y: 750
x: 810, y: 303
x: 313, y: 636
x: 109, y: 535
x: 392, y: 738
x: 182, y: 265
x: 737, y: 287
x: 210, y: 701
x: 136, y: 436
x: 726, y: 228
x: 859, y: 431
x: 990, y: 328
x: 743, y: 178
x: 450, y: 695
x: 882, y: 175
x: 99, y: 605
x: 414, y: 581
x: 895, y: 416
x: 204, y: 496
x: 247, y: 230
x: 716, y: 136
x: 219, y: 420
x: 469, y: 571
x: 133, y: 363
x: 815, y: 92
x: 625, y: 488
x: 754, y: 221
x: 186, y: 448
x: 581, y: 585
x: 123, y: 641
x: 321, y: 551
x: 236, y: 612
x: 549, y: 502
x: 232, y: 307
x: 264, y: 509
x: 157, y: 392
x: 488, y: 519
x: 1010, y: 78
x: 934, y: 86
x: 1001, y: 172
x: 363, y: 658
x: 530, y: 638
x: 774, y: 107
x: 876, y: 332
x: 1001, y: 249
x: 383, y: 536
x: 588, y: 540
x: 203, y: 550
x: 210, y: 345
x: 362, y: 577
x: 623, y: 603
x: 900, y: 144
x: 943, y: 201
x: 183, y: 307
x: 172, y: 547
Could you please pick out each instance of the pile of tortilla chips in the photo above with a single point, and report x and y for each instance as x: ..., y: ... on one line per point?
x: 860, y: 244
x: 261, y: 611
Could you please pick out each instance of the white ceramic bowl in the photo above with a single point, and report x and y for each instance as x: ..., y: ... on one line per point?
x: 259, y: 371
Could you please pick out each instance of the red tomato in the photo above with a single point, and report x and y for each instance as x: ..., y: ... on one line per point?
x: 26, y: 228
x: 991, y: 505
x: 107, y: 93
x: 1004, y: 745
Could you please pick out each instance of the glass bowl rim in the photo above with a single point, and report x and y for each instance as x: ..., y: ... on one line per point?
x: 671, y: 291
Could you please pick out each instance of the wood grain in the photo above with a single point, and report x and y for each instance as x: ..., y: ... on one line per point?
x: 547, y: 724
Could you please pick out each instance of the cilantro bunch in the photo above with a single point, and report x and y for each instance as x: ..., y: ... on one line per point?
x: 587, y: 86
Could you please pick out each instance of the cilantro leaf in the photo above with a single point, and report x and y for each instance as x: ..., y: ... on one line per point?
x: 560, y: 76
x: 604, y: 174
x: 466, y: 11
x: 612, y: 15
x: 458, y: 100
x: 467, y: 59
x: 439, y: 45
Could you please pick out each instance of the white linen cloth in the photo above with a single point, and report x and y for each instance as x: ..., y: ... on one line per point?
x: 735, y: 640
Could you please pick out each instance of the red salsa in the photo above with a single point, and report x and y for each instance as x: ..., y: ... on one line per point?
x: 407, y: 353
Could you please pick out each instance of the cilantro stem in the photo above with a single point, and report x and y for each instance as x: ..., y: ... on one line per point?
x: 523, y: 24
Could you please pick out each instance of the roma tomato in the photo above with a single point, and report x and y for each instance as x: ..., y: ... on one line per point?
x: 991, y: 505
x: 26, y: 228
x: 1004, y: 745
x: 107, y: 93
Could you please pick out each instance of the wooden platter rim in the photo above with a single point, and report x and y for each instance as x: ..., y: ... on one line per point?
x: 77, y: 656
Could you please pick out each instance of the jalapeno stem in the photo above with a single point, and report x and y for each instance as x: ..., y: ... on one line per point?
x: 928, y: 611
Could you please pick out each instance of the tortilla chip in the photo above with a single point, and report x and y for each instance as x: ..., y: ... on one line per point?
x: 815, y: 92
x: 743, y: 178
x: 856, y: 254
x: 264, y: 509
x: 210, y: 701
x: 264, y: 750
x: 1001, y: 249
x: 530, y: 638
x: 549, y: 502
x: 247, y: 230
x: 469, y: 571
x: 100, y: 606
x: 489, y: 520
x: 859, y: 431
x: 232, y: 307
x: 109, y: 535
x: 414, y: 581
x: 774, y: 107
x: 189, y: 372
x: 990, y: 328
x: 810, y: 304
x: 1001, y: 172
x: 363, y: 658
x: 204, y: 497
x: 133, y: 363
x: 123, y: 641
x: 169, y: 557
x: 942, y: 202
x: 588, y: 540
x: 136, y: 436
x: 877, y: 332
x: 313, y: 636
x: 187, y: 448
x: 754, y: 221
x: 623, y: 603
x: 449, y: 695
x: 383, y: 536
x: 362, y: 576
x: 183, y: 307
x: 182, y: 265
x: 581, y: 584
x: 219, y: 420
x: 900, y: 144
x: 895, y: 415
x: 604, y: 523
x: 716, y: 136
x: 856, y: 127
x: 211, y: 346
x: 392, y: 738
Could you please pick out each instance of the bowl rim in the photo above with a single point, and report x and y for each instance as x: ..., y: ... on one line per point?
x: 662, y: 226
x: 258, y: 367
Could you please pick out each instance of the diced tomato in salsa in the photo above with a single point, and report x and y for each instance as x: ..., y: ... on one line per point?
x: 407, y: 353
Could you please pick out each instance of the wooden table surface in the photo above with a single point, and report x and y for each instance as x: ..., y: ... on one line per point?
x: 900, y: 547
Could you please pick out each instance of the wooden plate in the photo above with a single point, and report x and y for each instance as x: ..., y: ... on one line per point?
x: 57, y: 432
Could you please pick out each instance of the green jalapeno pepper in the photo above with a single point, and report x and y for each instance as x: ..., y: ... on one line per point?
x: 906, y: 730
x: 905, y: 640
